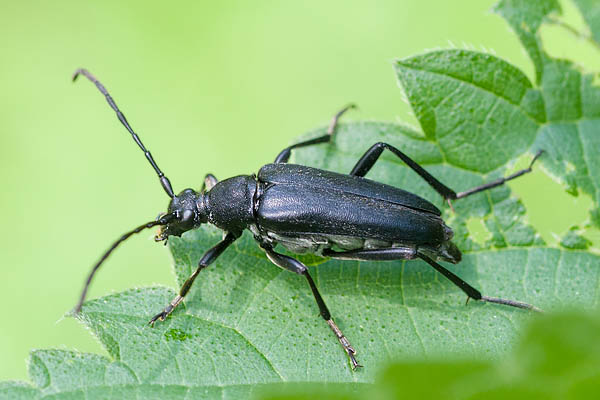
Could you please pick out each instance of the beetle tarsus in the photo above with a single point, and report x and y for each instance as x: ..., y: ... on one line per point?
x: 355, y: 363
x: 285, y: 154
x: 336, y: 117
x: 500, y: 181
x: 167, y: 311
x: 160, y: 316
x: 345, y: 344
x: 537, y: 155
x: 512, y: 303
x: 208, y: 183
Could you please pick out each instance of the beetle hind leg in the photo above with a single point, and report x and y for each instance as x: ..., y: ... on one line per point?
x: 410, y: 253
x: 512, y: 303
x: 386, y: 254
x: 371, y: 156
x: 473, y: 293
x: 500, y: 181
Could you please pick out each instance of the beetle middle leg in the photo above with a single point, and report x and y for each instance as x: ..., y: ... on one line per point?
x: 207, y: 259
x: 284, y: 155
x: 371, y: 156
x: 293, y: 265
x: 209, y: 181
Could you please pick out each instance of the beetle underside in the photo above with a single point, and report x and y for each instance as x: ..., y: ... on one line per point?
x: 319, y: 243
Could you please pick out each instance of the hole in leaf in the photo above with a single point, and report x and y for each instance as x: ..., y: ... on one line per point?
x: 560, y: 41
x: 550, y: 209
x: 478, y: 231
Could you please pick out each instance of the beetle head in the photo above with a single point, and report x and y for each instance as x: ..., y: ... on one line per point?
x: 188, y: 212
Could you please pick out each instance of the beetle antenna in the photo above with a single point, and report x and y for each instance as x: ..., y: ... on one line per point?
x: 162, y: 221
x: 164, y: 181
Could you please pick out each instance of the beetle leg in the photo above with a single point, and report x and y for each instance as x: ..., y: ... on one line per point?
x: 401, y: 253
x: 371, y: 156
x: 391, y: 253
x: 471, y: 291
x: 293, y: 265
x: 284, y: 155
x: 207, y: 259
x: 209, y: 181
x: 499, y: 181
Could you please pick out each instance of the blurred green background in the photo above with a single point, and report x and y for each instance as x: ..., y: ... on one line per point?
x: 215, y: 87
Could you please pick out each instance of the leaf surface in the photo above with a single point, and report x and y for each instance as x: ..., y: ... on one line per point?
x: 590, y: 10
x: 570, y: 136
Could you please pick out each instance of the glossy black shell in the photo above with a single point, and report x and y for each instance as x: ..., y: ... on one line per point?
x: 294, y: 199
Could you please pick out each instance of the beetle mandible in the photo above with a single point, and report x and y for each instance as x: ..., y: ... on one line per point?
x: 307, y: 209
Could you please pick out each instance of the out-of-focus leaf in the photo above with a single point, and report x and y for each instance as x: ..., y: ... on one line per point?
x: 590, y: 10
x: 525, y: 17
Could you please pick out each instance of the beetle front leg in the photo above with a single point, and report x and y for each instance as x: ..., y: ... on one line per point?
x: 293, y: 265
x: 207, y: 259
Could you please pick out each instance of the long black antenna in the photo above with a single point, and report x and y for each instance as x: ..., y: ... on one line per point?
x: 164, y: 181
x: 162, y: 221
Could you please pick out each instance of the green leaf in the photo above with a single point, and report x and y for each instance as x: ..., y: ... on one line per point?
x: 574, y: 240
x: 470, y: 102
x: 590, y: 10
x: 571, y: 137
x: 571, y: 100
x: 557, y: 358
x: 247, y: 323
x: 525, y: 17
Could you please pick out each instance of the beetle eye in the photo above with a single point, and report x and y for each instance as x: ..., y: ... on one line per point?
x: 187, y: 215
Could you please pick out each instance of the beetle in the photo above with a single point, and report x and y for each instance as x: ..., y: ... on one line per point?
x: 310, y: 210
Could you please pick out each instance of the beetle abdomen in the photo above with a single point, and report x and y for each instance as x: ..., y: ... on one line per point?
x: 301, y: 243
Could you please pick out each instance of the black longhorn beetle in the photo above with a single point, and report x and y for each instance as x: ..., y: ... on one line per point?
x: 311, y: 210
